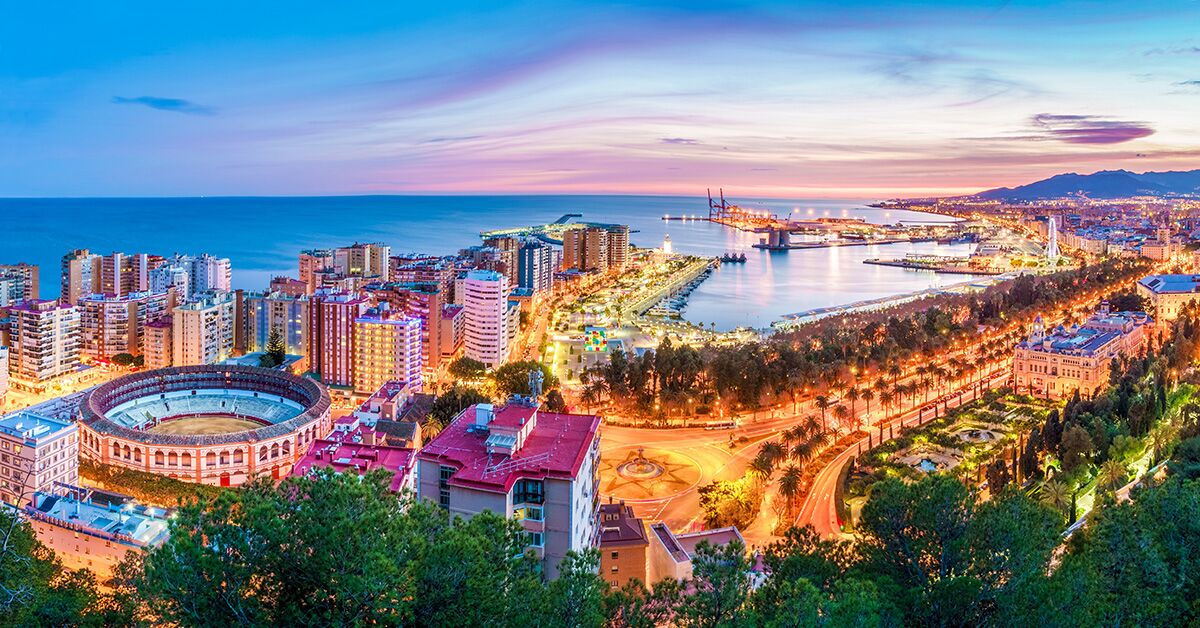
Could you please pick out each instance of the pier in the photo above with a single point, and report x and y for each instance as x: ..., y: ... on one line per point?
x: 947, y: 265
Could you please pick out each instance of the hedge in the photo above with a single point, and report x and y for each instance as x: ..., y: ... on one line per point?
x: 149, y: 488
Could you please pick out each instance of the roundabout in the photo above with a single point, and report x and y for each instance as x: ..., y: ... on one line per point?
x: 637, y: 473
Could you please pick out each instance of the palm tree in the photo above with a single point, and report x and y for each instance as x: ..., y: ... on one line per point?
x: 760, y: 469
x: 853, y: 395
x: 789, y: 487
x: 841, y: 413
x: 1056, y: 495
x: 430, y: 428
x: 772, y: 451
x: 804, y: 451
x: 1112, y: 475
x: 867, y: 395
x: 886, y: 399
x: 811, y: 428
x: 823, y: 403
x: 894, y: 371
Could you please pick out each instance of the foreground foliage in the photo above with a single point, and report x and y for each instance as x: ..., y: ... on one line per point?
x: 338, y: 551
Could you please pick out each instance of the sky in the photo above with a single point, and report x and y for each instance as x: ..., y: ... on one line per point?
x: 776, y: 99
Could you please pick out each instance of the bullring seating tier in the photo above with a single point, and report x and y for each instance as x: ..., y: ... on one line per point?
x: 141, y: 413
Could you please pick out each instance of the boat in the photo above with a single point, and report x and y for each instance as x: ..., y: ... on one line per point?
x: 733, y: 258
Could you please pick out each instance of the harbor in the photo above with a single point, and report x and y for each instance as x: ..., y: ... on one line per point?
x: 945, y: 264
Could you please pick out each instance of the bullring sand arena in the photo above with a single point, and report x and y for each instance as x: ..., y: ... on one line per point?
x: 204, y: 425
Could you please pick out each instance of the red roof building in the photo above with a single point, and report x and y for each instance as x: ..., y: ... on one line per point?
x: 539, y: 467
x: 354, y: 447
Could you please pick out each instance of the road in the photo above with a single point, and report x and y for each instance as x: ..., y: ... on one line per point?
x: 820, y: 507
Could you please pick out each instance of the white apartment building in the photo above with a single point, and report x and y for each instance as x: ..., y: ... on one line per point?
x: 45, y: 340
x: 485, y: 299
x: 35, y: 452
x: 202, y: 332
x: 3, y: 375
x: 193, y: 276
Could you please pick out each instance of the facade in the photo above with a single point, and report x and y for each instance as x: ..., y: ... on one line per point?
x: 485, y: 303
x: 312, y: 262
x: 1168, y: 295
x: 598, y: 247
x: 118, y: 421
x: 535, y: 267
x: 81, y: 271
x: 18, y: 282
x: 288, y: 286
x: 35, y: 452
x: 203, y: 331
x: 363, y: 260
x: 121, y: 274
x: 426, y: 301
x: 112, y: 324
x: 623, y: 545
x: 354, y: 447
x: 277, y: 310
x: 670, y: 555
x: 193, y: 276
x: 45, y: 340
x: 210, y: 274
x: 386, y: 348
x: 3, y: 375
x: 618, y: 246
x: 91, y: 534
x: 1056, y: 364
x: 172, y: 277
x: 541, y: 468
x: 331, y: 317
x: 435, y: 271
x: 158, y: 343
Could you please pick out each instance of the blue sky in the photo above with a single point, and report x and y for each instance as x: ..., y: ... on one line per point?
x: 762, y: 98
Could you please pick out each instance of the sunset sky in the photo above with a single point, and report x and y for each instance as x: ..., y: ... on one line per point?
x: 787, y: 99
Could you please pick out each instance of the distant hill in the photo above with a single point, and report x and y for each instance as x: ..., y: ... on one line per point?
x: 1104, y: 184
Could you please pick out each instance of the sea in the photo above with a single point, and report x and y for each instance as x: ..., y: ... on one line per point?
x: 262, y: 235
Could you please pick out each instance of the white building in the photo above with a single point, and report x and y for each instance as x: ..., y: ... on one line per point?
x: 45, y: 340
x: 485, y: 298
x: 171, y: 276
x: 193, y: 276
x: 1168, y: 295
x: 36, y: 452
x: 203, y: 331
x: 3, y: 375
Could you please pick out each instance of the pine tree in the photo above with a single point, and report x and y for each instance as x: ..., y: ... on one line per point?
x: 276, y: 348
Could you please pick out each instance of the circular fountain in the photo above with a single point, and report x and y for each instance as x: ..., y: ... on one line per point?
x: 639, y: 467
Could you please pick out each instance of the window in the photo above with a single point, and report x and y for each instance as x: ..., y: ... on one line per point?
x: 528, y: 492
x: 614, y: 557
x: 444, y: 475
x: 536, y: 539
x: 614, y: 569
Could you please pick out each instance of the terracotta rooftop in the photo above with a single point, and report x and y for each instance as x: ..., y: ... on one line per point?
x: 349, y: 448
x: 555, y: 447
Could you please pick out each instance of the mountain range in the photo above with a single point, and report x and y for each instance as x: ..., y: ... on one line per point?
x: 1105, y: 184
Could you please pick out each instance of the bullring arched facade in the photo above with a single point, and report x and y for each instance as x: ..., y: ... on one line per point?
x: 218, y: 459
